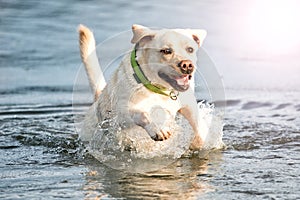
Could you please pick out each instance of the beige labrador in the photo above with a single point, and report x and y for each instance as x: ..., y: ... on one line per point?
x: 149, y: 87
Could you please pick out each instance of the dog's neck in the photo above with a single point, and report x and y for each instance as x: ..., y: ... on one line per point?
x: 141, y: 78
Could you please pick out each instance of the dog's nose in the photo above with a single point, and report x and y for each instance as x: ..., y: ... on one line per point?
x: 186, y: 66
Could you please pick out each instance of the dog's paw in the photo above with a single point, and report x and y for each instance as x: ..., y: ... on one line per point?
x: 197, y: 143
x: 162, y: 134
x: 156, y: 133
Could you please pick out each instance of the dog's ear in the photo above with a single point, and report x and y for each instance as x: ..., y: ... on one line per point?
x: 198, y: 35
x: 141, y: 32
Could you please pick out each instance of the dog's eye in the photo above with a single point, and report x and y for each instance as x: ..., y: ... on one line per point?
x: 190, y: 49
x: 167, y: 51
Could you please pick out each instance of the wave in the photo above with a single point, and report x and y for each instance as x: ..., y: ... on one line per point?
x: 255, y: 104
x: 30, y: 89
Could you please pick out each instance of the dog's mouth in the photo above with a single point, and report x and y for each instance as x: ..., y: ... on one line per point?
x: 179, y: 82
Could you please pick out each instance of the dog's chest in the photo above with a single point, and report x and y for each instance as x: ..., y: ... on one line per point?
x: 156, y: 101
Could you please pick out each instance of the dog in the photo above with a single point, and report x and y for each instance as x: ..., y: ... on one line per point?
x: 153, y: 78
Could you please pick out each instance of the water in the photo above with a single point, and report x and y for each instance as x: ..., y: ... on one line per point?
x: 41, y: 156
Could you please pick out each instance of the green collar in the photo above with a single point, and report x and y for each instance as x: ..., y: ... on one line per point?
x: 141, y: 78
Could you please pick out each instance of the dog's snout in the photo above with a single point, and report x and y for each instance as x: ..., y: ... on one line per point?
x: 186, y: 66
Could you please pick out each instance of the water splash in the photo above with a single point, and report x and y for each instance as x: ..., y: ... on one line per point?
x: 211, y: 125
x: 132, y: 149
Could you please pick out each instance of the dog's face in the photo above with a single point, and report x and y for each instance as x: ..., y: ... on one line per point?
x: 168, y: 56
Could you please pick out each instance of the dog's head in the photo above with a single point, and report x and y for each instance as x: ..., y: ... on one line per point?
x: 168, y: 56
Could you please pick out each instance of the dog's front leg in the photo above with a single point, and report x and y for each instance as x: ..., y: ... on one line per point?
x: 156, y: 131
x: 187, y: 112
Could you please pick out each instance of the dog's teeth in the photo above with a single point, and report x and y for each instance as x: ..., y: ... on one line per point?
x: 183, y: 80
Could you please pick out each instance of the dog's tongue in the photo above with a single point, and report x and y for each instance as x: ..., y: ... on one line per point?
x: 183, y: 80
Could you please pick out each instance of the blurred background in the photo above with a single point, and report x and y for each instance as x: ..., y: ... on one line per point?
x: 254, y: 44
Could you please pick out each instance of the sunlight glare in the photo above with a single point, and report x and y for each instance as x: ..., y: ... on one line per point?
x: 273, y: 26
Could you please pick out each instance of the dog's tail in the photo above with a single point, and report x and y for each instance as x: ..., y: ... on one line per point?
x: 89, y: 58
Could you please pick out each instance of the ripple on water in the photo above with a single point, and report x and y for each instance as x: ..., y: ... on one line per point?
x: 49, y: 126
x: 256, y: 135
x: 255, y: 104
x: 282, y: 106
